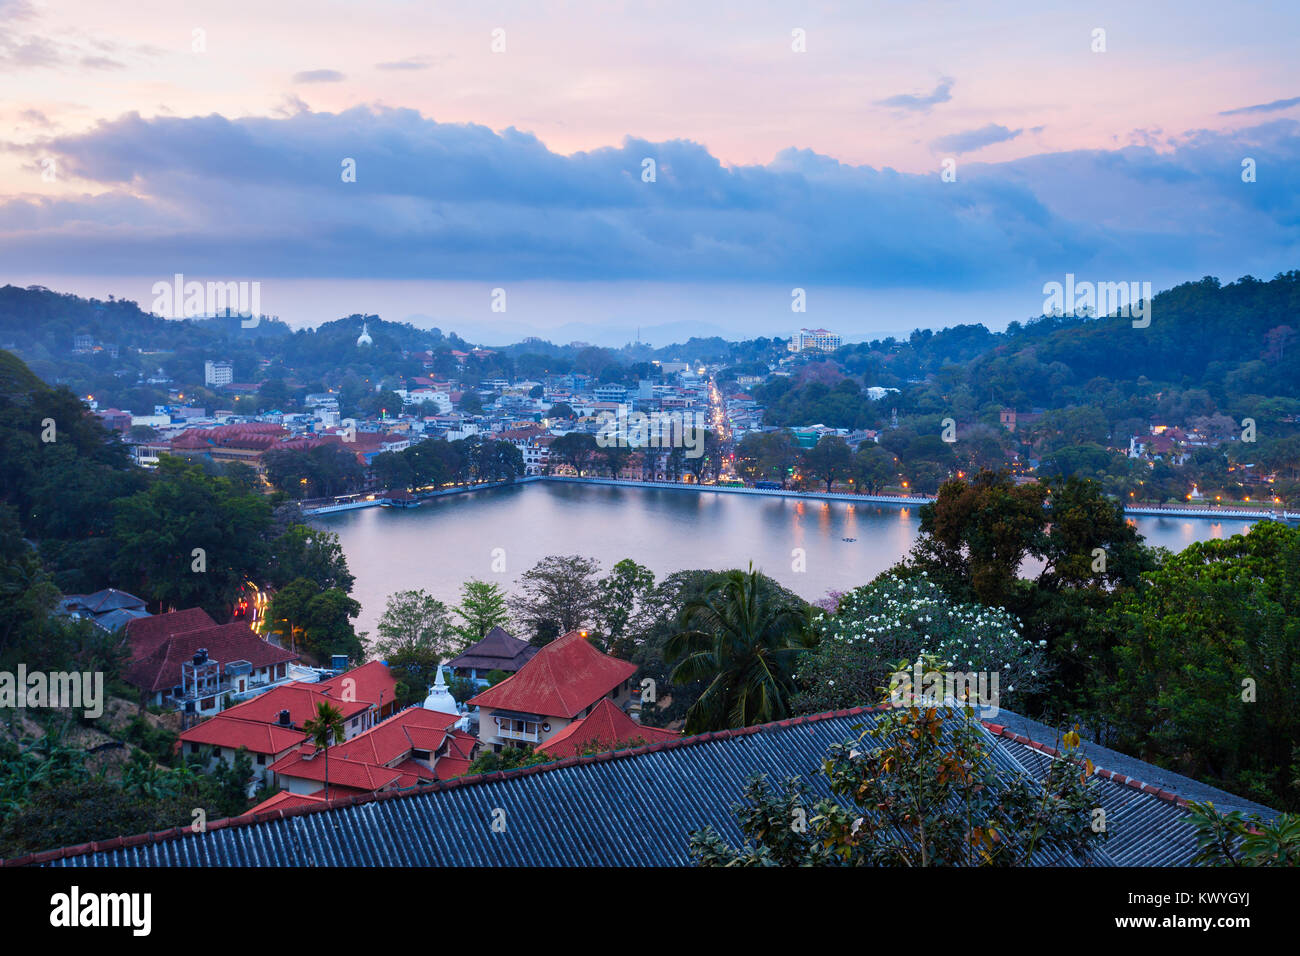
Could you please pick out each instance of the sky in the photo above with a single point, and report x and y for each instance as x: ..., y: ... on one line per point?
x: 906, y: 163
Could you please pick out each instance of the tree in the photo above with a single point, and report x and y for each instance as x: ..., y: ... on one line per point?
x: 190, y: 539
x: 746, y: 645
x: 482, y: 607
x: 317, y: 621
x: 1208, y: 653
x: 393, y: 470
x: 829, y: 460
x: 1233, y: 839
x: 286, y: 613
x: 557, y: 595
x: 873, y: 469
x: 575, y: 449
x: 975, y: 535
x: 767, y: 456
x: 623, y: 594
x: 910, y: 618
x: 324, y: 729
x: 925, y: 792
x: 414, y: 620
x: 415, y: 633
x: 312, y: 553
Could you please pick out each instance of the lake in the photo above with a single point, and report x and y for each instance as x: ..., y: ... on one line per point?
x: 448, y: 540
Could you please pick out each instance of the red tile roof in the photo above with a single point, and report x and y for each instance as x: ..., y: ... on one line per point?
x: 285, y: 800
x: 299, y: 699
x: 412, y: 729
x: 448, y: 767
x: 373, y: 684
x: 567, y: 676
x: 381, y: 757
x: 145, y: 634
x: 234, y: 732
x: 161, y: 669
x: 306, y: 764
x: 604, y: 728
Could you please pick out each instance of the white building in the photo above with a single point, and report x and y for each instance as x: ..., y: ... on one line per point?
x: 817, y: 340
x: 216, y: 374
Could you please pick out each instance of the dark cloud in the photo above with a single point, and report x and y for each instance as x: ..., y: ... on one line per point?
x: 973, y: 139
x: 921, y: 102
x: 412, y: 63
x: 1264, y: 107
x: 263, y: 196
x: 101, y: 63
x: 319, y: 76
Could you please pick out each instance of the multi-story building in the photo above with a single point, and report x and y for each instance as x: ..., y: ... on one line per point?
x: 818, y: 340
x: 216, y: 374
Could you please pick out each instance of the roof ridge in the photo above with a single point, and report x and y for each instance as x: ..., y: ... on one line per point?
x: 1111, y: 775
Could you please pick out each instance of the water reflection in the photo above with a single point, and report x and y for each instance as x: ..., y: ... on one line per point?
x: 447, y: 540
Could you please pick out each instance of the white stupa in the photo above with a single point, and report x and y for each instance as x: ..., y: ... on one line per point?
x: 364, y: 338
x: 440, y: 698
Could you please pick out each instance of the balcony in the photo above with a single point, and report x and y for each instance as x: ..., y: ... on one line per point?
x: 506, y: 733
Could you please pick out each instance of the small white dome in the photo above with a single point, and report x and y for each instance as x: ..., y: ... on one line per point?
x: 364, y: 338
x: 440, y: 698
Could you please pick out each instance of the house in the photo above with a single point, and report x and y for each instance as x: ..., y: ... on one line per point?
x: 638, y: 807
x: 371, y: 683
x: 411, y: 747
x: 198, y: 670
x: 108, y: 609
x: 293, y: 704
x: 226, y: 735
x: 145, y: 634
x: 498, y: 651
x: 563, y: 683
x: 605, y: 728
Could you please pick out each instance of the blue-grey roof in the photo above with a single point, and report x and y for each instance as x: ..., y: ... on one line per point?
x: 1113, y: 760
x: 631, y: 808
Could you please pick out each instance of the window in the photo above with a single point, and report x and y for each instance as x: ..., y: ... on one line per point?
x: 261, y: 760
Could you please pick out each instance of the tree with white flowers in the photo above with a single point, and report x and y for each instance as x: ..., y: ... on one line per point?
x: 909, y: 618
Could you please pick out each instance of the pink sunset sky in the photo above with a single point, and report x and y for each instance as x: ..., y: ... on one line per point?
x: 158, y: 136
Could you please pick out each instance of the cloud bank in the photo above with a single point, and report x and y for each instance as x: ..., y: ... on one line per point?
x: 264, y: 196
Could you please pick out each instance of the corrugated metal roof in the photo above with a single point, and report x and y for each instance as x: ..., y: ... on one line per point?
x: 633, y: 808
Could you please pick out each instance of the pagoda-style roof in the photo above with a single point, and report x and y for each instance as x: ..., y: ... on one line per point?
x: 497, y: 651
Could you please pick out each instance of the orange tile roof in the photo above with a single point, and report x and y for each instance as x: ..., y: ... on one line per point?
x: 306, y: 764
x: 563, y: 679
x: 285, y: 800
x: 604, y: 728
x: 412, y: 729
x: 224, y: 730
x: 299, y: 699
x: 373, y: 683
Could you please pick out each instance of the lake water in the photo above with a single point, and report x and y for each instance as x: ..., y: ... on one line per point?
x: 448, y: 540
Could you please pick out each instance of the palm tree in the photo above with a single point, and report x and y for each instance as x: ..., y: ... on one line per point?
x: 324, y: 729
x: 744, y: 637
